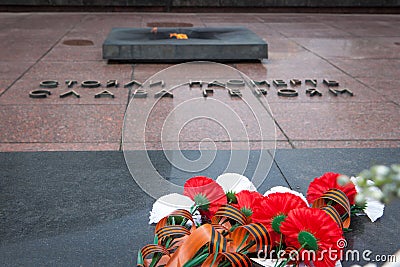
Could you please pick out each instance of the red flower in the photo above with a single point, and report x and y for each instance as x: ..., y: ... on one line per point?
x: 248, y: 202
x: 315, y: 234
x: 274, y: 209
x: 206, y: 193
x: 326, y: 182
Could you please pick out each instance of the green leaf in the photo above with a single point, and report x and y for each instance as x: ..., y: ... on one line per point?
x: 243, y: 240
x: 202, y: 202
x: 196, y: 261
x: 156, y: 258
x: 155, y: 241
x: 246, y: 211
x: 215, y: 254
x: 231, y: 197
x: 140, y: 258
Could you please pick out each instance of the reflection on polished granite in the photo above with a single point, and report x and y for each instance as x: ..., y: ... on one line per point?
x: 84, y: 208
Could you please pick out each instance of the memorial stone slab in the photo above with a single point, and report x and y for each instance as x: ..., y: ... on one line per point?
x: 216, y: 44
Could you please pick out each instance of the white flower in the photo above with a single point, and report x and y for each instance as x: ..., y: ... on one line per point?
x: 375, y: 192
x: 235, y: 182
x: 282, y: 189
x: 196, y: 218
x: 343, y: 180
x: 381, y: 170
x: 167, y: 204
x: 374, y: 209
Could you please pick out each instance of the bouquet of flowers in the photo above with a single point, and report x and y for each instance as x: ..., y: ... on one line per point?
x: 225, y: 222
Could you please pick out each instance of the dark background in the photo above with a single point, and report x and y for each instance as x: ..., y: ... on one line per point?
x: 363, y: 6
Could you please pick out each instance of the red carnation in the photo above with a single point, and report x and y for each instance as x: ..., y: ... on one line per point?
x: 326, y: 182
x: 274, y: 209
x: 248, y: 202
x: 315, y: 234
x: 206, y: 193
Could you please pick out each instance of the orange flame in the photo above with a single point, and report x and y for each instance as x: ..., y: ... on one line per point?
x: 178, y: 35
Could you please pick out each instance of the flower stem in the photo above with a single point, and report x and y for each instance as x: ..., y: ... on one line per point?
x: 283, y: 263
x: 202, y: 256
x: 279, y: 249
x: 236, y: 225
x: 247, y: 247
x: 156, y: 258
x: 244, y: 240
x: 196, y: 261
x: 225, y: 264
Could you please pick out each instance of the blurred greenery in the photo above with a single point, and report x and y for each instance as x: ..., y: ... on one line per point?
x: 380, y: 182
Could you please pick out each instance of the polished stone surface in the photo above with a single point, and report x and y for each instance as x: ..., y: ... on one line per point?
x: 206, y: 3
x: 359, y: 50
x: 338, y: 121
x: 211, y: 43
x: 84, y: 208
x: 300, y: 166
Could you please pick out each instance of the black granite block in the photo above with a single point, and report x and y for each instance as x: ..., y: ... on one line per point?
x: 218, y: 166
x: 70, y: 209
x: 84, y: 208
x: 147, y: 3
x: 195, y: 3
x: 67, y: 3
x: 104, y: 3
x: 300, y: 166
x: 46, y: 194
x: 216, y: 44
x: 208, y: 3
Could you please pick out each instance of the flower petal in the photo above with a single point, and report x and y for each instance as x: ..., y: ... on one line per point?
x: 320, y: 185
x: 283, y: 189
x: 235, y: 182
x: 167, y: 204
x: 374, y: 209
x: 207, y: 193
x: 318, y: 224
x: 248, y: 202
x: 273, y: 206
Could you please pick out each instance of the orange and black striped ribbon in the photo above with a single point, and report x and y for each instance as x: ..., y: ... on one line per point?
x: 229, y: 212
x: 151, y: 249
x: 172, y: 231
x: 197, y: 239
x: 180, y: 213
x: 235, y: 259
x: 332, y: 212
x: 217, y: 238
x: 219, y: 227
x: 259, y: 233
x: 338, y: 197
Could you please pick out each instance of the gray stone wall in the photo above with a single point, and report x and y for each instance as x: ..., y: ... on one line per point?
x: 207, y: 3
